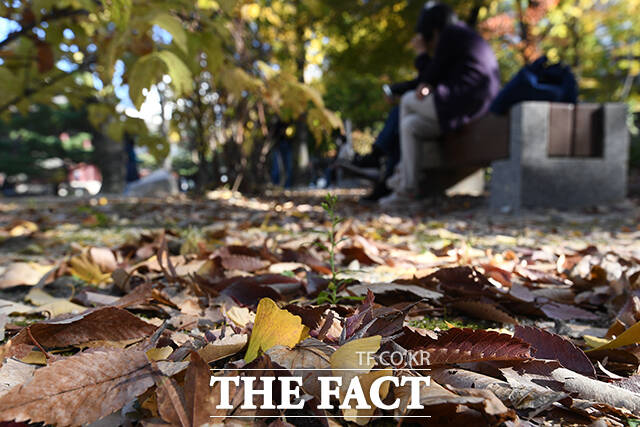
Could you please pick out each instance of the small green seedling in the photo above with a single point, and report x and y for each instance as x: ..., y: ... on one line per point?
x: 330, y: 294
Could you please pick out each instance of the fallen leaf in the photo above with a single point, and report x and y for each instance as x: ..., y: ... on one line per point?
x: 52, y: 305
x: 197, y: 393
x: 558, y: 311
x: 13, y: 373
x: 171, y: 402
x: 363, y: 416
x: 22, y: 228
x: 106, y: 323
x: 310, y: 359
x: 595, y: 342
x: 628, y: 337
x: 222, y: 348
x: 273, y: 326
x: 241, y: 316
x: 579, y: 385
x: 159, y: 353
x: 22, y: 273
x: 484, y: 310
x: 302, y: 255
x: 468, y: 345
x: 108, y: 379
x: 103, y: 258
x: 34, y: 358
x: 525, y: 396
x: 546, y: 345
x: 353, y: 360
x: 84, y: 268
x: 409, y: 292
x: 243, y: 263
x: 311, y: 316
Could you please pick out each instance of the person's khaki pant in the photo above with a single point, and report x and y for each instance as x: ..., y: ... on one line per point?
x: 419, y: 148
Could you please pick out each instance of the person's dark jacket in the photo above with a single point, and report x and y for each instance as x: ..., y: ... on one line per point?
x: 464, y: 76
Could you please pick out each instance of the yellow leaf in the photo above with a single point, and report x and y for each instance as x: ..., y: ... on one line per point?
x: 52, y: 305
x: 23, y: 228
x: 159, y: 353
x: 354, y: 360
x: 594, y: 342
x: 628, y: 337
x: 35, y: 358
x: 353, y: 356
x: 83, y: 267
x: 274, y: 326
x: 359, y: 416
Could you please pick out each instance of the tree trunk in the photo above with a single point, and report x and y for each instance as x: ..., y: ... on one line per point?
x: 110, y: 158
x: 301, y: 172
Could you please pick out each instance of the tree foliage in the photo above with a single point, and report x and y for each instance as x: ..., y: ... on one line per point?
x: 225, y: 69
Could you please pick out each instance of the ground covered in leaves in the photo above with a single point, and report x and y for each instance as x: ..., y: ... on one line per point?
x: 112, y: 311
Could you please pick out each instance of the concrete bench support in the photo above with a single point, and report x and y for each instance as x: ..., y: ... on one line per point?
x: 530, y: 177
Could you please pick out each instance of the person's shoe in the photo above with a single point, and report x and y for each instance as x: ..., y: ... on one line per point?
x: 369, y: 173
x: 379, y: 191
x: 366, y: 161
x: 397, y: 199
x: 371, y: 160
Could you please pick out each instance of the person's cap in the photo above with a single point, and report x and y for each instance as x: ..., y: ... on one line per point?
x: 433, y: 16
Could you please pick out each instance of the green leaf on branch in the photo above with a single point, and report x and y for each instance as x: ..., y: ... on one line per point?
x: 174, y: 27
x: 150, y: 68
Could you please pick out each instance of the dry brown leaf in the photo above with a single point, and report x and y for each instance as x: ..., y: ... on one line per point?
x: 171, y: 402
x: 484, y: 310
x: 243, y: 263
x: 197, y: 393
x: 528, y: 397
x: 546, y: 345
x: 104, y: 258
x: 106, y: 323
x: 79, y: 389
x: 225, y: 347
x: 410, y: 292
x: 578, y: 385
x: 467, y: 345
x: 13, y: 373
x: 309, y: 354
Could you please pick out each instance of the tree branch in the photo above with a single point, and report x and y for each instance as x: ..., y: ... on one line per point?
x: 45, y: 84
x: 53, y: 16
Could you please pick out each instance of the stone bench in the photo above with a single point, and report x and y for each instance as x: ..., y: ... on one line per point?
x: 543, y: 155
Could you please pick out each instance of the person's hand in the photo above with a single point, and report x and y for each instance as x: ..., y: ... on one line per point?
x: 391, y: 99
x: 423, y: 91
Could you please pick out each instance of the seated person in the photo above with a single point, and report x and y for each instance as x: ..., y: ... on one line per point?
x: 457, y: 86
x: 387, y: 143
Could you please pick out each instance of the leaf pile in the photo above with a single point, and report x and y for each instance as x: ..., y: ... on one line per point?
x: 127, y: 332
